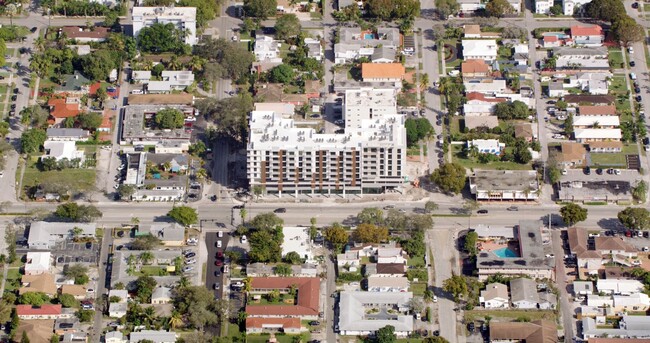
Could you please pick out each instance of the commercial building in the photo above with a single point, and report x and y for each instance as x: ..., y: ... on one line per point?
x: 138, y: 127
x: 44, y: 235
x: 355, y: 318
x: 155, y: 336
x: 184, y: 18
x: 296, y: 239
x: 382, y: 72
x: 38, y: 262
x: 283, y: 158
x: 367, y: 103
x: 63, y: 134
x: 588, y: 191
x: 594, y: 58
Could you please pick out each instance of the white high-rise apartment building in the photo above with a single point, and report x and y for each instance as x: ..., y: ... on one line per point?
x: 285, y: 159
x: 184, y: 18
x: 367, y: 103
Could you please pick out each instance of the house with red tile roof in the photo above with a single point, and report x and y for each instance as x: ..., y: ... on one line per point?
x: 382, y: 72
x: 307, y: 300
x: 27, y: 312
x: 587, y: 35
x: 286, y: 325
x: 606, y: 110
x: 63, y: 107
x: 83, y: 35
x: 474, y: 68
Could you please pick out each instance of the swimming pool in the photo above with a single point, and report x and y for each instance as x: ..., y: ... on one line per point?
x: 368, y: 36
x: 505, y: 253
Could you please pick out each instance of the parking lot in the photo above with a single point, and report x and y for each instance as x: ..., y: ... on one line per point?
x: 71, y: 252
x: 579, y: 175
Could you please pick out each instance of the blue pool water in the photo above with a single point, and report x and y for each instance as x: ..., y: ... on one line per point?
x: 505, y: 253
x: 369, y: 36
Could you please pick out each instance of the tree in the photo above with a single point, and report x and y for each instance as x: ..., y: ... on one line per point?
x: 283, y: 269
x: 627, y: 31
x: 386, y: 335
x: 640, y: 191
x: 176, y: 320
x: 34, y: 115
x: 455, y: 285
x: 568, y: 125
x: 224, y: 59
x: 435, y: 339
x: 85, y: 316
x: 556, y: 9
x: 264, y: 247
x: 572, y: 214
x: 447, y: 7
x: 635, y: 218
x: 281, y: 74
x: 54, y: 338
x: 197, y: 149
x: 25, y: 338
x: 169, y: 118
x: 98, y: 65
x: 450, y: 177
x: 336, y: 235
x: 146, y: 242
x: 470, y: 243
x: 90, y: 121
x: 184, y: 215
x: 78, y: 213
x: 430, y: 206
x: 417, y: 129
x: 32, y: 140
x: 370, y: 233
x: 229, y: 115
x: 76, y: 272
x: 146, y: 257
x: 292, y: 257
x: 68, y: 300
x: 198, y: 306
x: 606, y: 10
x: 126, y: 191
x: 144, y: 286
x: 371, y: 215
x: 511, y: 110
x: 417, y: 304
x: 266, y: 221
x: 499, y: 8
x: 561, y: 104
x: 260, y: 9
x: 287, y: 26
x: 159, y: 38
x: 33, y: 298
x: 514, y: 32
x: 242, y: 214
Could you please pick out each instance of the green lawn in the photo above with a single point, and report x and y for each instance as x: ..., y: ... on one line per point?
x: 13, y: 279
x: 469, y: 164
x: 613, y: 160
x: 618, y: 85
x: 74, y: 180
x: 513, y: 314
x: 416, y: 261
x: 316, y: 15
x: 615, y: 57
x: 153, y: 270
x: 418, y: 288
x: 280, y: 338
x: 646, y: 7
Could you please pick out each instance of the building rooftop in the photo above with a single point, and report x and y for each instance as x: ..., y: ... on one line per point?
x: 134, y: 128
x: 531, y: 250
x: 262, y: 323
x: 601, y: 120
x: 571, y: 151
x: 41, y: 231
x: 64, y: 107
x: 473, y: 122
x: 185, y: 13
x: 38, y: 261
x: 592, y: 51
x: 508, y: 180
x: 156, y: 336
x: 161, y: 99
x: 479, y: 47
x: 495, y: 290
x: 43, y: 310
x: 38, y: 283
x: 586, y: 99
x: 67, y: 133
x: 76, y: 32
x: 597, y: 134
x: 306, y: 305
x: 523, y: 289
x: 539, y: 331
x: 474, y: 66
x: 297, y: 239
x: 353, y: 315
x: 594, y: 189
x: 592, y: 30
x: 382, y: 71
x: 391, y: 268
x: 74, y: 290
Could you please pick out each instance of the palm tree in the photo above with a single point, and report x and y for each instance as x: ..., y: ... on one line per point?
x: 39, y: 43
x: 242, y: 213
x: 146, y: 257
x: 131, y: 260
x: 183, y: 282
x: 247, y: 285
x: 176, y: 320
x: 167, y: 166
x: 76, y: 232
x: 135, y: 220
x: 173, y: 63
x: 201, y: 174
x: 196, y: 63
x: 149, y: 315
x: 595, y: 125
x: 424, y: 81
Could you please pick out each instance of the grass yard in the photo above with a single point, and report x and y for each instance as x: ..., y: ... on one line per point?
x: 499, y: 165
x: 613, y: 160
x: 316, y: 15
x: 153, y: 271
x: 13, y: 279
x: 74, y: 180
x: 646, y: 7
x: 615, y: 57
x: 415, y: 151
x: 418, y: 288
x: 510, y: 314
x: 618, y: 85
x: 623, y: 104
x: 280, y: 338
x: 416, y: 261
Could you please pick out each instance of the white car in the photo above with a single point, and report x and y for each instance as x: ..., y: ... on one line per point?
x: 633, y: 76
x: 188, y: 269
x: 243, y: 239
x: 190, y: 261
x: 630, y: 50
x: 339, y: 122
x: 617, y: 171
x: 218, y: 244
x: 564, y: 172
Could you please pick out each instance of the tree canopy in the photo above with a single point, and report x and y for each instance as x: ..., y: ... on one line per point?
x: 371, y: 215
x: 145, y: 242
x: 169, y: 118
x: 229, y: 115
x: 98, y: 65
x: 606, y: 10
x: 450, y: 177
x: 78, y: 213
x: 417, y: 129
x: 388, y: 10
x: 184, y: 215
x: 511, y: 110
x: 90, y: 120
x: 266, y: 246
x: 159, y: 38
x: 288, y: 25
x: 499, y: 8
x: 447, y: 7
x: 144, y: 286
x: 456, y: 285
x: 370, y: 233
x: 627, y: 31
x: 33, y: 298
x: 386, y: 335
x: 198, y: 306
x: 572, y: 213
x: 635, y: 218
x: 282, y: 74
x: 32, y: 140
x: 336, y: 235
x: 261, y: 9
x: 77, y: 272
x: 266, y: 221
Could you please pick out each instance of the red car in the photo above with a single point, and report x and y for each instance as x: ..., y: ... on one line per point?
x: 219, y: 254
x: 218, y: 263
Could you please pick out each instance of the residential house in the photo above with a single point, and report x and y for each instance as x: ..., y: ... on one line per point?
x: 516, y: 5
x: 117, y: 310
x: 141, y: 76
x: 355, y: 318
x: 619, y: 286
x: 474, y: 31
x: 474, y: 68
x: 155, y: 336
x: 487, y: 146
x: 170, y: 234
x: 307, y: 303
x: 382, y: 72
x: 385, y: 269
x: 525, y: 131
x: 489, y: 185
x: 523, y: 293
x: 478, y: 104
x: 383, y: 55
x: 183, y: 18
x: 388, y: 284
x: 259, y: 269
x: 603, y: 122
x: 74, y: 85
x: 614, y: 246
x: 77, y: 337
x: 66, y: 325
x: 592, y: 35
x: 59, y: 150
x: 556, y: 89
x: 296, y: 239
x: 638, y: 302
x: 588, y: 259
x: 538, y: 331
x: 84, y: 35
x: 547, y: 301
x: 573, y: 6
x: 543, y: 6
x: 606, y: 147
x: 355, y: 43
x: 495, y: 295
x: 386, y: 255
x: 520, y: 54
x: 490, y: 87
x: 43, y: 283
x: 314, y: 49
x: 551, y: 41
x: 593, y: 83
x: 606, y: 110
x: 570, y: 154
x: 79, y: 292
x: 123, y: 294
x: 629, y: 327
x: 581, y: 288
x: 305, y: 270
x: 44, y: 235
x: 597, y: 135
x: 611, y: 191
x: 45, y: 311
x: 574, y: 100
x: 115, y: 337
x: 266, y: 49
x: 349, y: 258
x: 258, y: 325
x: 489, y: 122
x: 480, y: 49
x: 470, y: 6
x: 62, y: 108
x: 161, y: 295
x: 63, y: 134
x: 593, y: 58
x: 38, y: 262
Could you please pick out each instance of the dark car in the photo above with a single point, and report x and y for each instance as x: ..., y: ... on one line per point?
x: 471, y: 327
x: 314, y: 323
x: 33, y: 29
x: 635, y: 5
x: 632, y: 64
x: 218, y: 263
x: 513, y: 208
x: 190, y: 255
x: 599, y: 171
x: 219, y: 254
x: 637, y: 90
x: 280, y: 210
x: 587, y: 171
x: 89, y: 245
x: 238, y: 207
x: 482, y: 211
x: 638, y: 98
x: 217, y: 272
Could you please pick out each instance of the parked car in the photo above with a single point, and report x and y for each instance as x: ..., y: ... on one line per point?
x: 633, y: 76
x: 632, y: 64
x: 190, y: 254
x: 513, y: 208
x: 482, y: 211
x: 243, y: 239
x: 587, y: 171
x: 280, y: 210
x: 188, y: 269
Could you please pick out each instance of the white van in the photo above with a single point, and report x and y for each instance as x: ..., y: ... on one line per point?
x: 136, y: 91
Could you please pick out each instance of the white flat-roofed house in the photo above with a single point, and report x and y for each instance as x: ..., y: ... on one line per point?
x: 117, y: 310
x: 487, y: 185
x: 349, y: 258
x: 581, y: 58
x: 388, y: 284
x: 155, y: 336
x: 573, y: 6
x: 141, y: 76
x: 266, y: 49
x: 63, y: 149
x: 556, y: 89
x: 489, y: 232
x: 486, y: 86
x: 603, y: 122
x: 123, y: 294
x: 64, y: 134
x: 619, y: 286
x: 184, y: 18
x: 595, y: 135
x: 38, y: 262
x: 596, y: 300
x: 297, y: 239
x: 633, y: 302
x: 593, y: 83
x: 583, y: 287
x: 314, y: 49
x: 487, y: 146
x: 543, y: 6
x: 391, y: 255
x: 354, y: 318
x: 495, y: 295
x: 480, y: 49
x: 115, y: 337
x: 44, y: 235
x: 470, y: 6
x: 630, y: 328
